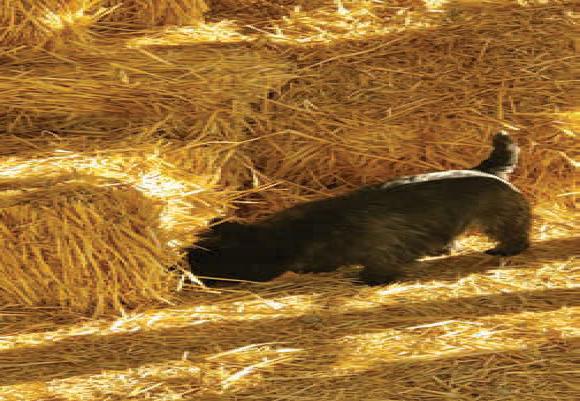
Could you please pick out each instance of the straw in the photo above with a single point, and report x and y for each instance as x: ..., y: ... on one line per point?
x: 132, y: 125
x: 57, y: 23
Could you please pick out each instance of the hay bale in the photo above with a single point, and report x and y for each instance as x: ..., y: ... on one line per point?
x: 56, y: 23
x: 257, y: 10
x: 48, y: 23
x: 195, y: 91
x: 200, y: 99
x: 423, y: 98
x: 94, y: 232
x: 156, y: 13
x: 85, y: 249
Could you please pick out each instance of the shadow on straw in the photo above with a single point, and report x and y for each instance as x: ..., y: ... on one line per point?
x: 311, y: 376
x: 92, y: 354
x: 454, y: 267
x: 491, y: 372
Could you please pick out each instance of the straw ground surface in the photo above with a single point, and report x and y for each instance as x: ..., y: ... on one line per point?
x: 127, y: 126
x: 55, y: 23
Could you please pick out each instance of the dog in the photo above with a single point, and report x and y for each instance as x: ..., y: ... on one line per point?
x: 381, y: 227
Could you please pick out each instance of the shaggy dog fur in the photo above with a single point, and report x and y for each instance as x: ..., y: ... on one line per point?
x: 381, y: 227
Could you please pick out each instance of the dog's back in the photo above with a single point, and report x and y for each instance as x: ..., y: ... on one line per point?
x: 500, y: 163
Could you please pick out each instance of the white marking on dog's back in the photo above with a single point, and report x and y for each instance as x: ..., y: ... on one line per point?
x: 441, y: 175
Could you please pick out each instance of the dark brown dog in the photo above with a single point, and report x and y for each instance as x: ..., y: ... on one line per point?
x: 381, y: 227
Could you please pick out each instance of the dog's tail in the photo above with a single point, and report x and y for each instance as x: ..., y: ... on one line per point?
x: 503, y: 159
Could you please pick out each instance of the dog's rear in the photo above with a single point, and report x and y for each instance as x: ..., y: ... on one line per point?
x: 503, y: 159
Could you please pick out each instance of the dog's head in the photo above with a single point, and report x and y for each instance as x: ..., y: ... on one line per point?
x: 234, y: 251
